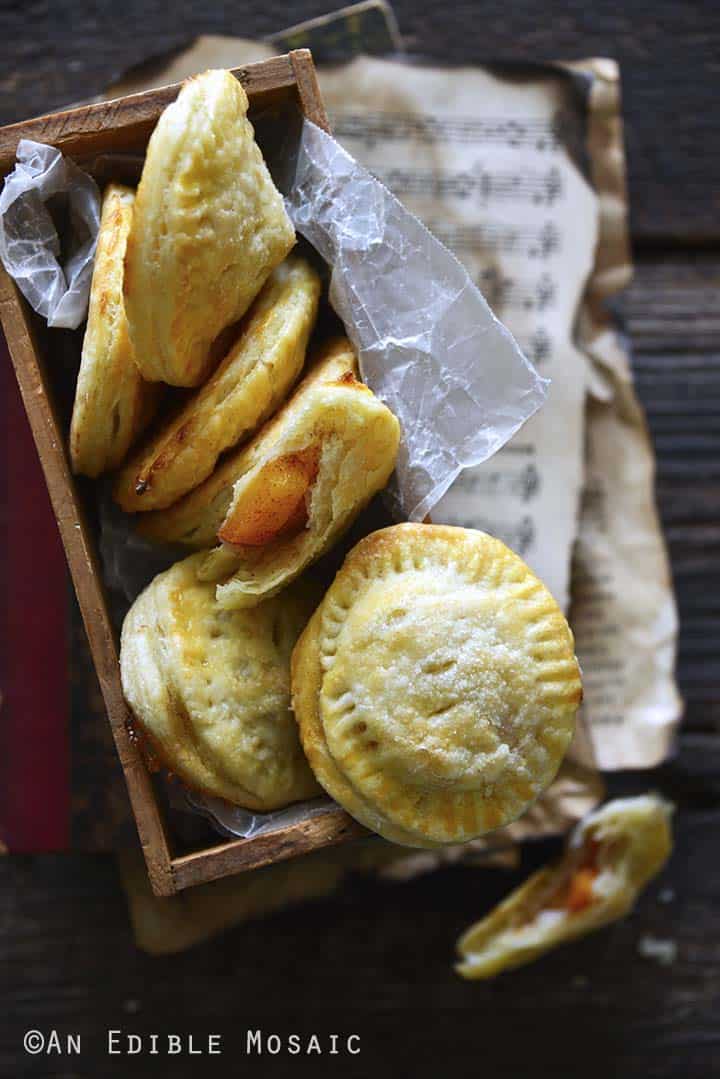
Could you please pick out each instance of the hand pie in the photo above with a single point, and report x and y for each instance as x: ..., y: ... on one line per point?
x: 610, y: 858
x: 435, y: 686
x: 112, y: 402
x: 209, y: 228
x: 210, y: 689
x: 300, y: 482
x: 247, y: 387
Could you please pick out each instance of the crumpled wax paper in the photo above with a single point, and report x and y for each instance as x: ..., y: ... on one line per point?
x: 428, y: 343
x: 232, y: 820
x: 49, y: 222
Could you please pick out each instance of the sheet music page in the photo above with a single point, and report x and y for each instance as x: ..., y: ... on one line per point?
x: 623, y: 613
x: 623, y: 607
x: 484, y: 163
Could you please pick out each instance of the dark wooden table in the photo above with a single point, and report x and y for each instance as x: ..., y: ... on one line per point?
x: 377, y: 960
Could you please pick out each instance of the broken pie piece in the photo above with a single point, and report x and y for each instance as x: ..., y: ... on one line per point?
x: 610, y: 857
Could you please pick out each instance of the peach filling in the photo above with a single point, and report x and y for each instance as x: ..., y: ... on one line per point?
x: 274, y: 504
x: 576, y: 894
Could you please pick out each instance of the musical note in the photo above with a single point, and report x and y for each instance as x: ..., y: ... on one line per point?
x: 495, y: 287
x: 548, y: 241
x: 507, y: 293
x: 545, y: 292
x: 537, y: 347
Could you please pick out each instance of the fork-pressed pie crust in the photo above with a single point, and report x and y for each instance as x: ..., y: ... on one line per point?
x: 436, y: 685
x: 211, y: 688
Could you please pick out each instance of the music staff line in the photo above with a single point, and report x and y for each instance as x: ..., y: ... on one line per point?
x: 374, y: 128
x: 537, y: 347
x: 533, y: 242
x: 523, y: 484
x: 539, y: 188
x: 520, y: 536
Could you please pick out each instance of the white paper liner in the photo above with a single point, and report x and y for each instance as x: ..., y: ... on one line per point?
x: 53, y: 273
x: 233, y: 820
x: 428, y: 343
x: 129, y: 562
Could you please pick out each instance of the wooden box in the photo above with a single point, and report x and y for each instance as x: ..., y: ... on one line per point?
x: 281, y: 84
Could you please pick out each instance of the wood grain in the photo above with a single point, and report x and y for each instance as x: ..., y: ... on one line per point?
x: 672, y: 314
x: 276, y: 846
x: 377, y: 960
x: 123, y: 125
x: 54, y: 53
x: 21, y: 330
x: 308, y: 89
x: 127, y: 122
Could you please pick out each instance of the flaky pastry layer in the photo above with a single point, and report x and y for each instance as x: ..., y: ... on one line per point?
x: 611, y: 856
x: 347, y: 441
x: 250, y: 383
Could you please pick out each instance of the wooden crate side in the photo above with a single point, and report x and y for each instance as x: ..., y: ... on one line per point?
x: 99, y: 128
x: 308, y: 89
x: 125, y: 124
x: 74, y: 531
x: 241, y: 855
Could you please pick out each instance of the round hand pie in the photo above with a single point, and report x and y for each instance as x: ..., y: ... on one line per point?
x: 112, y: 402
x: 209, y: 227
x: 436, y: 685
x: 251, y: 381
x: 211, y: 688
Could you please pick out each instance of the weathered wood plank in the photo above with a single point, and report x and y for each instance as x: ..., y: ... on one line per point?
x: 376, y: 960
x: 128, y: 122
x: 672, y: 308
x: 672, y: 312
x: 668, y: 53
x: 224, y: 859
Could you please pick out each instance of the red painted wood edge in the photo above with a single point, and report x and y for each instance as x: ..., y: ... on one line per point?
x: 34, y: 672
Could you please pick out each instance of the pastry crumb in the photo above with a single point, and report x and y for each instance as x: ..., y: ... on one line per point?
x: 663, y: 950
